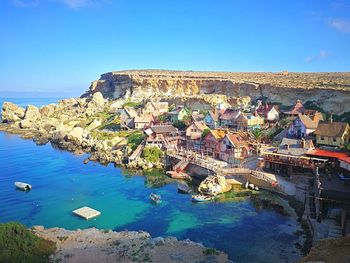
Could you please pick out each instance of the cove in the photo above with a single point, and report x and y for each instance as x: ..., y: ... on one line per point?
x: 62, y: 183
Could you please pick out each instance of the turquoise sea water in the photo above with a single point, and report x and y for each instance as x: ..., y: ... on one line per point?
x: 62, y: 183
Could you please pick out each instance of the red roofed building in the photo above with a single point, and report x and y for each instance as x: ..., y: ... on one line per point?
x: 233, y: 148
x: 297, y: 109
x: 268, y: 112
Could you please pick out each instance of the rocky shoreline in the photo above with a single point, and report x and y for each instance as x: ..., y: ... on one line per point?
x: 74, y: 125
x: 93, y: 245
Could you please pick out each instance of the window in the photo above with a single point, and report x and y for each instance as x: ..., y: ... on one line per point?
x: 334, y: 139
x: 322, y: 138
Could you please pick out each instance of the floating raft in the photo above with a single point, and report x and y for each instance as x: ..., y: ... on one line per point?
x: 86, y: 212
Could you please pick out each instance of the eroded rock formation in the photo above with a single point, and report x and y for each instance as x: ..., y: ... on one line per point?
x: 331, y: 91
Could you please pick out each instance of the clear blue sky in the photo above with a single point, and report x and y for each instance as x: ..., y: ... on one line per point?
x: 62, y: 45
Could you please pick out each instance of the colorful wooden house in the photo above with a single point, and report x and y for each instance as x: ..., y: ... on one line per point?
x: 333, y: 134
x: 249, y: 121
x: 163, y: 136
x: 143, y: 121
x: 297, y: 109
x: 211, y: 142
x: 303, y: 126
x: 212, y: 119
x: 156, y: 108
x: 229, y: 118
x: 233, y: 148
x: 127, y: 116
x: 194, y: 134
x: 179, y: 114
x: 268, y: 112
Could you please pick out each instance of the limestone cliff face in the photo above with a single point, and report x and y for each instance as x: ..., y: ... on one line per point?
x: 331, y: 91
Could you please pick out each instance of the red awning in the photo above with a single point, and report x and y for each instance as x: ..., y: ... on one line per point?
x: 329, y: 154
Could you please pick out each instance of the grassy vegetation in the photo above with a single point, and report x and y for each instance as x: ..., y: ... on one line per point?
x: 132, y: 104
x: 101, y: 135
x: 152, y: 154
x: 18, y: 244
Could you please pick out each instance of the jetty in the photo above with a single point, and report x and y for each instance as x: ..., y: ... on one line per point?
x: 262, y: 179
x: 86, y: 212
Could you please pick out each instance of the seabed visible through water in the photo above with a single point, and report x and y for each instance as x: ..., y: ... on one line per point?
x: 246, y: 230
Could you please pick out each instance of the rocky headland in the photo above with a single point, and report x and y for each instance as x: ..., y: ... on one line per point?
x: 94, y: 245
x: 76, y: 125
x: 331, y: 91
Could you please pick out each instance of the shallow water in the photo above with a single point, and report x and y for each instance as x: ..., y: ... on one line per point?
x: 62, y: 183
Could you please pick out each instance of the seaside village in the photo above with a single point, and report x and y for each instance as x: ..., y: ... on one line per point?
x: 294, y: 151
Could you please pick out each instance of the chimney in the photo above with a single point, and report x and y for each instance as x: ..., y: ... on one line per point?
x: 331, y: 117
x: 302, y: 143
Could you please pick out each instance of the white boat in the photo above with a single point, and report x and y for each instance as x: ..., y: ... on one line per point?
x: 201, y: 198
x: 155, y: 198
x: 246, y: 185
x: 23, y: 186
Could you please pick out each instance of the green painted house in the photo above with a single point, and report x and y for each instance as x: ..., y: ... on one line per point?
x: 179, y: 114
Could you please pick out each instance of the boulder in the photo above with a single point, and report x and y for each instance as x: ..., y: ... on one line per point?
x: 94, y: 124
x: 67, y: 103
x: 75, y: 135
x: 97, y: 98
x: 32, y: 113
x: 47, y: 110
x: 27, y: 124
x: 11, y: 112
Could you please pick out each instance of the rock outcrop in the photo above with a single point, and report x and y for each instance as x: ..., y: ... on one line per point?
x: 93, y: 245
x: 11, y: 112
x: 329, y: 90
x: 69, y: 125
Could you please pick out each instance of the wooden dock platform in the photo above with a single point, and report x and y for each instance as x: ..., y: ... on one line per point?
x: 86, y: 212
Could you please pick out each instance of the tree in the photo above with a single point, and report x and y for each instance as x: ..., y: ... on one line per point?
x: 346, y: 147
x: 205, y: 132
x: 163, y: 118
x: 257, y: 133
x: 152, y: 154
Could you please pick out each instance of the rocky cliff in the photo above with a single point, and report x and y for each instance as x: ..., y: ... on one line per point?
x: 331, y: 91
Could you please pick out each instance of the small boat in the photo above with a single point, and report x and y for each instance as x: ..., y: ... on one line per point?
x: 155, y: 198
x: 23, y: 186
x: 246, y: 185
x: 183, y: 188
x: 201, y: 198
x: 256, y: 188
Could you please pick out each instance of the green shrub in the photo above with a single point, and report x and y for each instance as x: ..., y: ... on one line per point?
x: 18, y: 244
x: 135, y: 138
x: 210, y: 251
x: 152, y: 154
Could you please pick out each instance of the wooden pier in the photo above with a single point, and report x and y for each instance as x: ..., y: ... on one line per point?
x: 262, y: 179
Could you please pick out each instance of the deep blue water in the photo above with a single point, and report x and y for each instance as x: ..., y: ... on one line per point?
x: 62, y: 183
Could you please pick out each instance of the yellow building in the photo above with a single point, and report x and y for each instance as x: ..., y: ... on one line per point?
x: 333, y: 134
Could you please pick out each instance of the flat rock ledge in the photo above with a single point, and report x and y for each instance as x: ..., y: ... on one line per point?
x: 94, y: 245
